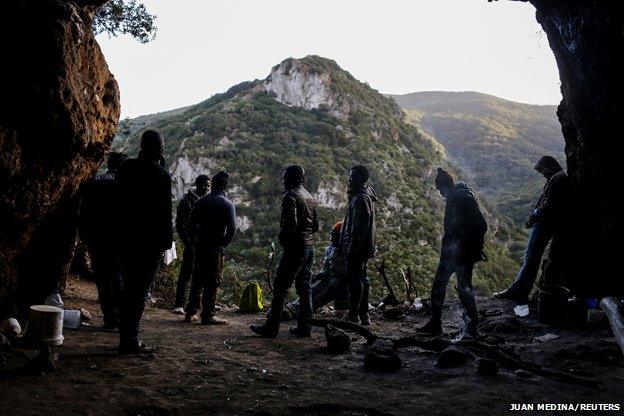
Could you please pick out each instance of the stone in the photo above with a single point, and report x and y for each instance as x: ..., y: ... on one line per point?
x: 500, y: 324
x: 338, y: 342
x: 523, y: 374
x: 382, y: 357
x: 394, y: 313
x: 59, y: 111
x: 453, y: 357
x: 486, y: 367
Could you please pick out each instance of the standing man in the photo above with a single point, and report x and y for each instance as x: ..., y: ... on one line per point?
x: 202, y: 185
x: 212, y: 226
x: 146, y: 220
x: 98, y: 206
x: 357, y: 242
x: 462, y: 246
x: 546, y: 220
x: 297, y: 226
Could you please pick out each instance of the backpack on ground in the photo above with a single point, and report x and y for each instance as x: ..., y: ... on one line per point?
x: 251, y: 298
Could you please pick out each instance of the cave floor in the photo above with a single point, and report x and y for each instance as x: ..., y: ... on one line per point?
x: 225, y: 370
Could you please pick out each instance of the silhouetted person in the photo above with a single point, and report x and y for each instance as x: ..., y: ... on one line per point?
x: 297, y: 226
x: 99, y: 231
x: 145, y: 210
x: 546, y: 219
x: 331, y: 281
x: 183, y: 213
x: 212, y: 226
x: 357, y: 242
x: 462, y: 246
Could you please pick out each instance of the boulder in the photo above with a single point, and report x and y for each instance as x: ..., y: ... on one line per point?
x: 504, y: 324
x: 382, y: 357
x: 453, y: 357
x: 338, y: 342
x: 486, y: 367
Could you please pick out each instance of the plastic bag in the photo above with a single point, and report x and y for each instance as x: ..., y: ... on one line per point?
x: 171, y: 255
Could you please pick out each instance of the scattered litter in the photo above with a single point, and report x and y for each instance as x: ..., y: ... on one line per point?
x: 521, y: 310
x: 170, y: 255
x: 416, y: 305
x: 11, y: 327
x: 546, y: 337
x: 54, y: 299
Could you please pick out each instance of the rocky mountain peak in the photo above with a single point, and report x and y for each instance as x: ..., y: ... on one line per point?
x: 301, y: 83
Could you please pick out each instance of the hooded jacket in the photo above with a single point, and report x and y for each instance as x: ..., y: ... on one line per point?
x: 212, y: 224
x: 183, y: 214
x: 298, y: 220
x: 551, y: 206
x: 145, y: 209
x: 357, y: 237
x: 464, y: 225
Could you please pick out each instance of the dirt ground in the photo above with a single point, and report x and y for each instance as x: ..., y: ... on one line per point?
x: 206, y: 370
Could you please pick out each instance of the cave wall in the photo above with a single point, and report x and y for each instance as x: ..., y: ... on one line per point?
x: 587, y: 38
x: 59, y: 110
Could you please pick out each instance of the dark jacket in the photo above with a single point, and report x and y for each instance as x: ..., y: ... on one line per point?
x: 333, y: 265
x: 212, y: 224
x: 552, y: 204
x: 299, y: 221
x: 99, y: 198
x: 183, y: 214
x: 145, y: 209
x: 357, y: 237
x: 464, y: 225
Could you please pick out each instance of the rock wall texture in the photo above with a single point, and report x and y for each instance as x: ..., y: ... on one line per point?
x: 59, y: 110
x: 587, y: 38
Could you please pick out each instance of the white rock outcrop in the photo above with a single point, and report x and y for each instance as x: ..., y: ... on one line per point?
x: 184, y: 172
x: 331, y: 194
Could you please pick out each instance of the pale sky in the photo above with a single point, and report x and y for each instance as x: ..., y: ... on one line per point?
x: 203, y: 47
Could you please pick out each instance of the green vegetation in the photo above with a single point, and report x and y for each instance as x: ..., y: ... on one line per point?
x: 264, y: 135
x: 495, y: 142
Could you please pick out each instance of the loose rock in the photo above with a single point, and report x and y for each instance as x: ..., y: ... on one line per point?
x: 486, y: 367
x: 500, y: 324
x: 452, y: 357
x: 382, y: 357
x: 338, y: 342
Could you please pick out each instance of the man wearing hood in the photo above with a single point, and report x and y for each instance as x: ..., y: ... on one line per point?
x: 462, y: 246
x: 357, y: 242
x: 145, y: 214
x: 211, y: 227
x: 546, y: 220
x: 202, y: 185
x: 297, y: 227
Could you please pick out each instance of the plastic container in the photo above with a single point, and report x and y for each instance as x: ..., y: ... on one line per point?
x: 552, y: 304
x: 45, y: 325
x: 71, y: 318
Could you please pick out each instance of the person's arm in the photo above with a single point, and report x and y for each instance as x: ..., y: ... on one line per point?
x: 231, y: 226
x: 288, y: 223
x: 167, y: 214
x: 193, y: 222
x: 183, y: 215
x: 359, y: 225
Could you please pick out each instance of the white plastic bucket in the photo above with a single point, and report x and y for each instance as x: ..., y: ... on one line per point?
x: 45, y: 325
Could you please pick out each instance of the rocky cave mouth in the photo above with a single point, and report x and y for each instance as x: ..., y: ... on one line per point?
x: 56, y: 125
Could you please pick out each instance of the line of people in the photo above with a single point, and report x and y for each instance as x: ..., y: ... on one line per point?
x: 127, y: 224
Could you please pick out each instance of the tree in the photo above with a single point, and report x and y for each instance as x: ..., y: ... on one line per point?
x: 123, y: 17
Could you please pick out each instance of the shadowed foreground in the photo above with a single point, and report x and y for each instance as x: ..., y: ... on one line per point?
x: 226, y: 370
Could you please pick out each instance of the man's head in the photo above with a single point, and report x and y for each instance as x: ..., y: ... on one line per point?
x: 444, y: 182
x: 152, y: 145
x: 547, y: 166
x: 115, y: 159
x: 358, y: 176
x: 293, y: 176
x: 220, y: 181
x: 202, y: 184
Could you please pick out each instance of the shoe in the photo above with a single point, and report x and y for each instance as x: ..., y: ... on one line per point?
x: 300, y: 332
x: 213, y: 320
x: 431, y: 327
x: 178, y: 310
x: 191, y: 318
x: 265, y: 330
x: 365, y: 319
x: 349, y: 317
x: 139, y: 348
